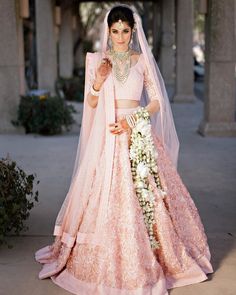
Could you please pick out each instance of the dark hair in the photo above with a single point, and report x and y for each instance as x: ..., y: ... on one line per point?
x: 123, y: 13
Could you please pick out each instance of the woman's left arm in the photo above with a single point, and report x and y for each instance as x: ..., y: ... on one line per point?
x: 154, y: 105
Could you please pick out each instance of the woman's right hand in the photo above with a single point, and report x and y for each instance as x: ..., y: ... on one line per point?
x: 103, y: 71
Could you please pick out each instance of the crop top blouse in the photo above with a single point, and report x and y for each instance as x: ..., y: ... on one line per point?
x: 133, y: 86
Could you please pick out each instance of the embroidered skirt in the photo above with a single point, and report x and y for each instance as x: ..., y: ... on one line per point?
x: 126, y: 264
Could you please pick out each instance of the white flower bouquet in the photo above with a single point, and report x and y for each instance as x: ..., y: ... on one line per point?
x: 143, y: 156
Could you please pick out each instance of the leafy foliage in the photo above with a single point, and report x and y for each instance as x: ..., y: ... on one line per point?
x: 44, y: 115
x: 17, y: 198
x: 71, y: 88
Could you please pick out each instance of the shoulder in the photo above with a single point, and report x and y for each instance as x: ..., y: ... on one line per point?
x: 135, y: 55
x: 93, y: 56
x: 92, y: 59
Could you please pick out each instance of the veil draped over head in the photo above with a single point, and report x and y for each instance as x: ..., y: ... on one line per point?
x: 95, y: 137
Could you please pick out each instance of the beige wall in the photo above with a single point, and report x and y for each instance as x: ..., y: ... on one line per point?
x: 11, y: 63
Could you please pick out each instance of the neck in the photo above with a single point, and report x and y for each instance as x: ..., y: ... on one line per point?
x: 116, y: 49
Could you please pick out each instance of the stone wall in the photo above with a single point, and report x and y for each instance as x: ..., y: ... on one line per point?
x: 11, y: 63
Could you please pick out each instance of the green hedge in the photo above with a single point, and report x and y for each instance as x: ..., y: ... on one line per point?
x: 44, y: 115
x: 71, y: 88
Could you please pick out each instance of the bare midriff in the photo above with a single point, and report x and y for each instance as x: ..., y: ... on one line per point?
x: 126, y: 103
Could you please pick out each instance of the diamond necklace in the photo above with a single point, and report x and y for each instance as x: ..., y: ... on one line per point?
x: 121, y: 64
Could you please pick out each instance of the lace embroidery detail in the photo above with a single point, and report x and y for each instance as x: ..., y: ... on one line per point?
x: 126, y: 260
x: 63, y: 256
x: 149, y: 86
x: 129, y: 249
x: 90, y: 72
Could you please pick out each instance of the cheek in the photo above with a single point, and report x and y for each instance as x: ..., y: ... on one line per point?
x: 128, y: 36
x: 113, y: 36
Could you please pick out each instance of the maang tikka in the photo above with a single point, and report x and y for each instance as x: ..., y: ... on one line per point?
x: 120, y: 25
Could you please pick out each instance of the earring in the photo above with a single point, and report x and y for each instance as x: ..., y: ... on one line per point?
x: 110, y: 44
x: 131, y: 41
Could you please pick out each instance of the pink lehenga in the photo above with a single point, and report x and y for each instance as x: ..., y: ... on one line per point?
x: 102, y: 245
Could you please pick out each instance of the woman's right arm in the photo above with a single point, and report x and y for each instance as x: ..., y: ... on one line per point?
x: 101, y: 74
x: 93, y: 99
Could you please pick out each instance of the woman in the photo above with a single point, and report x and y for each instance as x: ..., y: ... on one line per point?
x: 128, y: 224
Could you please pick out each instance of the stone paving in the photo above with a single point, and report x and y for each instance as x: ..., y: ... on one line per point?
x: 206, y: 165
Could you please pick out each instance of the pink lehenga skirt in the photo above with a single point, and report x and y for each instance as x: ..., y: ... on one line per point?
x: 126, y: 264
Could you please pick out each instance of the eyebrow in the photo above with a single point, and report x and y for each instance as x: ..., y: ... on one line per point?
x: 113, y: 29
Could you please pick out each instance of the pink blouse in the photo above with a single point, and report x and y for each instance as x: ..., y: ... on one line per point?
x: 138, y: 79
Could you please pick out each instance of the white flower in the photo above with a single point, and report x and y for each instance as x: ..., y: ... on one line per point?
x: 132, y: 153
x: 143, y: 127
x: 139, y: 184
x: 155, y: 168
x: 140, y: 144
x: 151, y: 197
x: 140, y: 124
x: 145, y: 193
x: 142, y: 170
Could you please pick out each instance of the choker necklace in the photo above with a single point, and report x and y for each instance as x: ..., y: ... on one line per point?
x: 121, y: 64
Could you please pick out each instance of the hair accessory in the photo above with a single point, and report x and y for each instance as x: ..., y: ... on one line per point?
x: 121, y: 25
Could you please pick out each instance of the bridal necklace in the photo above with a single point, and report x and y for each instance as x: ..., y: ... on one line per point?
x: 121, y: 64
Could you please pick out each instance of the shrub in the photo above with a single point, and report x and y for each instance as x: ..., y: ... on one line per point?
x: 16, y: 198
x: 44, y: 115
x: 71, y: 88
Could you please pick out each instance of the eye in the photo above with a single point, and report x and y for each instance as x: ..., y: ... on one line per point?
x: 126, y: 31
x: 114, y: 31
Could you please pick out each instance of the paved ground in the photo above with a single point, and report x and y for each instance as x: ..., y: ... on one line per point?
x: 207, y: 166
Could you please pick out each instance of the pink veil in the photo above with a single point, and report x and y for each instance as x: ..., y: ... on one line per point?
x: 95, y: 137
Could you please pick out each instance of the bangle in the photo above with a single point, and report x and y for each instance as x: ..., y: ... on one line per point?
x: 130, y: 120
x: 94, y: 92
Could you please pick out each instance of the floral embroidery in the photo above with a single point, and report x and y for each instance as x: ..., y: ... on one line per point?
x: 126, y: 261
x: 149, y: 85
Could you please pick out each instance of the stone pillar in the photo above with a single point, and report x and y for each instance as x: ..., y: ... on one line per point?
x: 46, y: 45
x: 219, y: 107
x: 156, y: 29
x: 167, y: 56
x: 66, y: 45
x: 12, y: 82
x: 184, y: 83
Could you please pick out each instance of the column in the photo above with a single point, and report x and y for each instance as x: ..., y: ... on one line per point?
x: 46, y: 45
x: 66, y: 45
x: 167, y: 56
x: 184, y: 83
x: 156, y: 29
x: 11, y: 63
x: 219, y: 106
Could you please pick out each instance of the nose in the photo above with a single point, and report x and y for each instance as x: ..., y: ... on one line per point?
x: 121, y: 37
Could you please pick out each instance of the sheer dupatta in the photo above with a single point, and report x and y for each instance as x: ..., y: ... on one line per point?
x: 95, y: 137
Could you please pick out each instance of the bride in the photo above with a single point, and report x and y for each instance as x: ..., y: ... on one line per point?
x: 128, y: 224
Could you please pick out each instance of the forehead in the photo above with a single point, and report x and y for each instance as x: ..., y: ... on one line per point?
x: 120, y: 26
